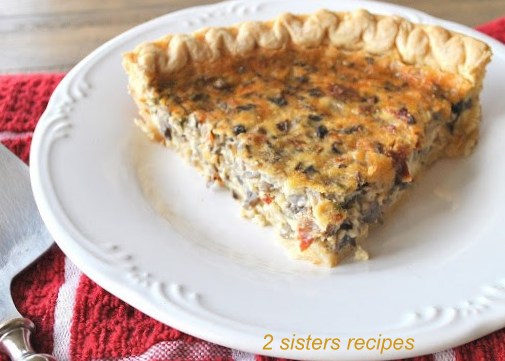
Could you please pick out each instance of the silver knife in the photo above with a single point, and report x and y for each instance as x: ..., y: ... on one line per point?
x: 23, y: 238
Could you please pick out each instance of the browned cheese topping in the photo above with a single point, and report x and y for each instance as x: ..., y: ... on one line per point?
x: 321, y: 118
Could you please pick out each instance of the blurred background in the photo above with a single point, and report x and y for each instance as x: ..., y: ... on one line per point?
x: 53, y: 35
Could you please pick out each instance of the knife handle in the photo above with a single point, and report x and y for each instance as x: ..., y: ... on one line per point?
x: 15, y: 341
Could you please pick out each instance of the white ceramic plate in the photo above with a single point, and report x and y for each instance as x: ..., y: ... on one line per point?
x: 142, y: 224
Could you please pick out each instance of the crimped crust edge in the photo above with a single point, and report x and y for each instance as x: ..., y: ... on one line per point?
x: 417, y: 44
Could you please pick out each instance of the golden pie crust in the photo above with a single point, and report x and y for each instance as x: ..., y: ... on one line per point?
x: 422, y: 45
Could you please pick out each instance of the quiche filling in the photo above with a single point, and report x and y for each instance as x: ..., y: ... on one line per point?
x: 341, y: 129
x: 317, y: 141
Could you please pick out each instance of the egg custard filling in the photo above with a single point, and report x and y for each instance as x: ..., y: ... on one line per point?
x: 318, y: 139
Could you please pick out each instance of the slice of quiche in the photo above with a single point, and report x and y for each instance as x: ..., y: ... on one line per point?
x: 316, y: 123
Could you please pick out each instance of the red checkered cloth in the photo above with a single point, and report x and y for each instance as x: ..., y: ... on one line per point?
x: 78, y: 320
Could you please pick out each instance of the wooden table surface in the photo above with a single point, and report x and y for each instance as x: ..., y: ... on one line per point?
x: 53, y: 35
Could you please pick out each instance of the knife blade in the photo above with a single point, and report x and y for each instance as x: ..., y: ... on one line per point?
x: 23, y: 239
